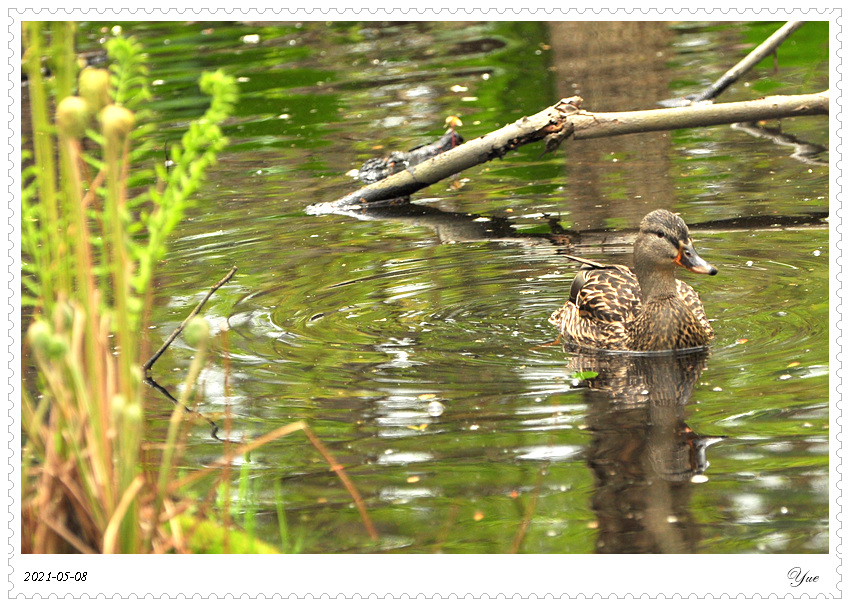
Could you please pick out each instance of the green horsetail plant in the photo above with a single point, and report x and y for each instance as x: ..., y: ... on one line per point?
x: 90, y: 238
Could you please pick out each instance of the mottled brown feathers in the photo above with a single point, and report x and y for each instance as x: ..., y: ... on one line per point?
x: 607, y: 307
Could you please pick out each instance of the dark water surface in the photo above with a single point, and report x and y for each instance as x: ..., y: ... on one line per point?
x: 415, y: 340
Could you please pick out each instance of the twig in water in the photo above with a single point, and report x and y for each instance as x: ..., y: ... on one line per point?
x: 214, y: 429
x: 340, y: 471
x: 147, y: 366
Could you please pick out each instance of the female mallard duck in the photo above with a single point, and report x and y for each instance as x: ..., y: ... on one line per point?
x: 614, y: 308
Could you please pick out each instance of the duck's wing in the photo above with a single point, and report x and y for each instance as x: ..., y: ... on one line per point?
x: 581, y: 275
x: 692, y: 300
x: 606, y: 293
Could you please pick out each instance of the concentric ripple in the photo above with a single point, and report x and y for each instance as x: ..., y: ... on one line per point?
x: 416, y: 344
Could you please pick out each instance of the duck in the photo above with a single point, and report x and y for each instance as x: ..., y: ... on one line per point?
x: 613, y: 307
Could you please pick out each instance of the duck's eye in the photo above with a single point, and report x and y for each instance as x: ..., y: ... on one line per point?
x: 660, y: 234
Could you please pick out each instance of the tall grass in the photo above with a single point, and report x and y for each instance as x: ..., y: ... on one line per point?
x: 89, y: 248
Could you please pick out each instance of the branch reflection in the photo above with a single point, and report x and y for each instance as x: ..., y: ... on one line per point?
x: 452, y: 226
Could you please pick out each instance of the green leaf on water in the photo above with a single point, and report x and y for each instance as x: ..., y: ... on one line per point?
x: 583, y: 375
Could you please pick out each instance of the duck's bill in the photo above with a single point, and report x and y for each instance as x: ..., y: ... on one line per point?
x: 688, y: 259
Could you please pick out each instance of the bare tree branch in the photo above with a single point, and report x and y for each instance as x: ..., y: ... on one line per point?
x: 742, y: 67
x: 563, y: 120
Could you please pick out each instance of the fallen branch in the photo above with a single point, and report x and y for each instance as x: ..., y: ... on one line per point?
x: 763, y: 50
x: 376, y: 169
x: 589, y: 126
x: 563, y: 120
x: 529, y: 129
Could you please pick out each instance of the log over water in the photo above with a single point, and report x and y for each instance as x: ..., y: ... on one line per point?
x: 566, y: 120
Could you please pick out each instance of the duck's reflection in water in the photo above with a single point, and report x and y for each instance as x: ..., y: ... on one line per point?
x: 645, y: 457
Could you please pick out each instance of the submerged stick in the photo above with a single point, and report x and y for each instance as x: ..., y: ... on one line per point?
x: 527, y: 516
x: 147, y: 366
x: 564, y: 120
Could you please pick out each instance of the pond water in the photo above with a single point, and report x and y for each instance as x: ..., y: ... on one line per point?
x: 414, y: 340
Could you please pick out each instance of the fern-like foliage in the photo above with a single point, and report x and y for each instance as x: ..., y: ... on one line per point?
x: 198, y: 150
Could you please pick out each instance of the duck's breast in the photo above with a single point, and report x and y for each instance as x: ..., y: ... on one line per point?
x: 694, y: 304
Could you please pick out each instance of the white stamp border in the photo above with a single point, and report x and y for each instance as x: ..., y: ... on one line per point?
x: 424, y: 576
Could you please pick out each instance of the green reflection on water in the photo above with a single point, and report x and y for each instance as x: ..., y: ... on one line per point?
x: 357, y: 326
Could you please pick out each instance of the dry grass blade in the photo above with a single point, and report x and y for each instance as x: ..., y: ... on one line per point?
x: 110, y: 537
x: 272, y: 436
x: 526, y: 517
x: 69, y: 537
x: 176, y: 536
x: 340, y: 471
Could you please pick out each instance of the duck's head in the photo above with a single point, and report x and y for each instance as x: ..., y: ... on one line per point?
x: 664, y: 241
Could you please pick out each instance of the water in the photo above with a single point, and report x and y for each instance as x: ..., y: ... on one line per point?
x: 414, y: 340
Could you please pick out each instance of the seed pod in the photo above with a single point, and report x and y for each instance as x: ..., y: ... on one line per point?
x: 94, y: 88
x: 119, y: 404
x: 40, y: 334
x: 117, y: 122
x: 133, y: 413
x: 197, y: 332
x: 45, y: 341
x: 58, y: 347
x: 72, y: 117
